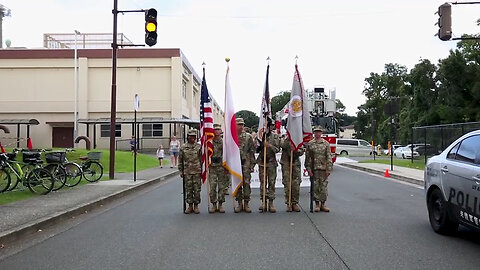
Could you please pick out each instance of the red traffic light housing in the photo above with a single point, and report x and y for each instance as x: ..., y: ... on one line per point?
x: 445, y: 22
x: 151, y: 27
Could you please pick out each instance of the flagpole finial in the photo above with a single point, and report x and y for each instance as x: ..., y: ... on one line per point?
x: 268, y: 60
x: 203, y: 64
x: 296, y: 59
x: 227, y: 59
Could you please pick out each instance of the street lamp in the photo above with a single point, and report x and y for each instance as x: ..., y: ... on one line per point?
x: 75, y: 87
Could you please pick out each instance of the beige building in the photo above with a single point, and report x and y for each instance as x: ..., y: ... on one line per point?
x: 39, y: 84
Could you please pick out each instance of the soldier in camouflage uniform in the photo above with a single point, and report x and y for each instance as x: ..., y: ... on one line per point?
x: 216, y: 173
x: 272, y: 143
x: 247, y: 156
x: 318, y: 162
x: 296, y: 173
x: 189, y: 165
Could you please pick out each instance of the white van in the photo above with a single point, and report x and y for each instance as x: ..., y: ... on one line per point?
x: 354, y: 147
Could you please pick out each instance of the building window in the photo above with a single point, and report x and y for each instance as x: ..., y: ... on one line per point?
x: 105, y: 130
x: 152, y: 130
x: 184, y: 89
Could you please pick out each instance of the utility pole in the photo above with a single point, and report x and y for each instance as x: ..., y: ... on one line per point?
x: 4, y: 12
x: 150, y: 39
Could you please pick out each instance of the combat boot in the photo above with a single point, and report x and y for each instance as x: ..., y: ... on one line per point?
x: 246, y: 207
x: 262, y: 207
x: 239, y: 208
x: 189, y: 209
x: 295, y: 208
x: 289, y: 209
x: 213, y: 209
x: 220, y: 208
x: 271, y: 206
x: 317, y: 206
x: 324, y: 208
x: 195, y: 209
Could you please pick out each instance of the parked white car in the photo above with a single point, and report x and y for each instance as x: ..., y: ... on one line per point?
x: 405, y: 152
x: 354, y: 147
x: 395, y: 146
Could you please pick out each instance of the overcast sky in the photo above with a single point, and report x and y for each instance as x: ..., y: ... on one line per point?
x: 338, y: 42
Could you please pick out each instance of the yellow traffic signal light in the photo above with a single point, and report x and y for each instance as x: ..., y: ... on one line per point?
x: 151, y: 27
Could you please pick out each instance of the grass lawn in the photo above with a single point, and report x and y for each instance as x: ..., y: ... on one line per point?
x: 123, y: 163
x: 417, y: 163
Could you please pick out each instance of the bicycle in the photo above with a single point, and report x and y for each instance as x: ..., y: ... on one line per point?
x: 37, y: 179
x: 67, y: 173
x: 25, y: 168
x: 90, y: 168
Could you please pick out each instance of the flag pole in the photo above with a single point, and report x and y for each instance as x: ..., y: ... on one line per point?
x: 227, y: 59
x: 290, y: 184
x: 264, y: 207
x: 265, y: 128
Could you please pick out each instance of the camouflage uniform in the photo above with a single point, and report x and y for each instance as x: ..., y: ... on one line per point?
x: 189, y: 165
x: 216, y: 173
x: 296, y: 170
x: 271, y: 164
x: 247, y: 155
x: 318, y: 159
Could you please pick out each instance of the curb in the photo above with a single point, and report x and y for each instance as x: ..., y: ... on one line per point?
x: 32, y: 227
x: 392, y: 174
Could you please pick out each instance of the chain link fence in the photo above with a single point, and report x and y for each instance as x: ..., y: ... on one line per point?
x: 432, y: 140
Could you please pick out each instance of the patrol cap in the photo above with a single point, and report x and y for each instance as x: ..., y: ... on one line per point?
x: 318, y: 128
x: 192, y: 132
x: 217, y: 126
x: 240, y: 121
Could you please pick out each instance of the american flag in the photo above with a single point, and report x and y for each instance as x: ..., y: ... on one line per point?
x: 206, y: 127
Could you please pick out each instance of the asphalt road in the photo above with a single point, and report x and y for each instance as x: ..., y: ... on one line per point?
x: 374, y: 224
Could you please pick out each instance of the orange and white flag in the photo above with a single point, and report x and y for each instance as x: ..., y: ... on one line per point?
x: 231, y: 150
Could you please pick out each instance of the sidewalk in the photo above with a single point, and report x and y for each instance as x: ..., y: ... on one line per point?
x: 409, y: 175
x: 27, y: 216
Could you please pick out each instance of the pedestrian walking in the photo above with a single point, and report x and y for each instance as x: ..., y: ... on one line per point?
x: 247, y: 156
x: 174, y: 150
x: 160, y: 155
x: 217, y: 174
x: 270, y: 144
x: 189, y: 165
x: 133, y: 144
x: 291, y: 172
x: 318, y: 162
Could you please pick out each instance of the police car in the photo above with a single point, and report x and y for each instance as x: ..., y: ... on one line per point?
x: 452, y: 185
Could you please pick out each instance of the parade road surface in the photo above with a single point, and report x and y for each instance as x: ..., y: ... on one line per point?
x: 374, y: 223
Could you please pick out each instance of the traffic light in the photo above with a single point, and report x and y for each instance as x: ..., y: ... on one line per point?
x: 151, y: 27
x: 445, y: 22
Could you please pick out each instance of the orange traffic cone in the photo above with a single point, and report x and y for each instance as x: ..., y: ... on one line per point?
x: 387, y: 174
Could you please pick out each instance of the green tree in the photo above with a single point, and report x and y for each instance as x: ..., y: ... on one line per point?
x: 279, y: 101
x: 250, y: 118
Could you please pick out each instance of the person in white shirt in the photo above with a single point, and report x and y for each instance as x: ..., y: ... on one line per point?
x: 174, y: 150
x: 160, y: 155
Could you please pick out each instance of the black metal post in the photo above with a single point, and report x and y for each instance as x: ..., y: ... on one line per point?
x: 425, y: 145
x: 18, y: 135
x: 88, y: 130
x: 94, y: 136
x: 412, y: 146
x: 441, y: 135
x: 135, y: 131
x: 113, y: 101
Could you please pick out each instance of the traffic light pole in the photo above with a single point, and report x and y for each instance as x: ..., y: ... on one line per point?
x: 113, y: 101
